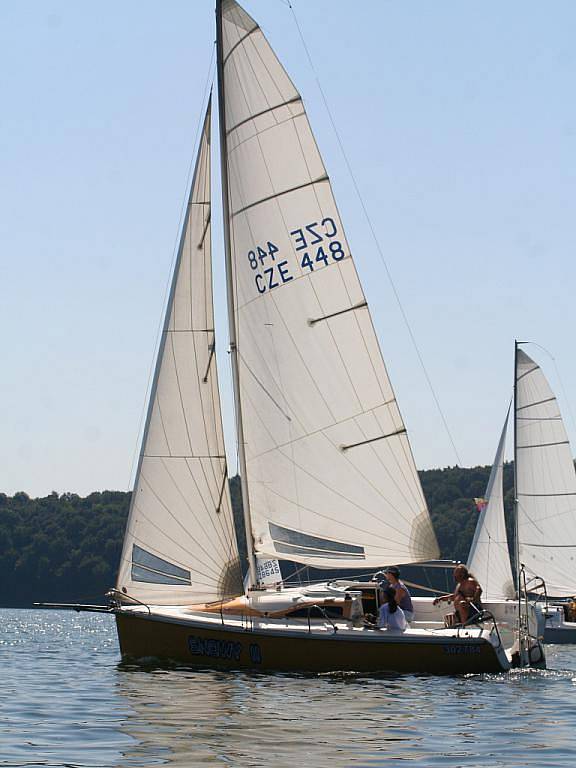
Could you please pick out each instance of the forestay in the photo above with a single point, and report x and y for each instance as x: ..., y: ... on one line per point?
x: 331, y: 477
x: 489, y: 559
x: 180, y: 545
x: 546, y: 482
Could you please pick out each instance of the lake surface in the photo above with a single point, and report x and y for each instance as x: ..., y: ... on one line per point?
x: 66, y: 700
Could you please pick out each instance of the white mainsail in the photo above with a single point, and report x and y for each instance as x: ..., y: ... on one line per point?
x: 546, y: 482
x: 489, y: 558
x: 180, y: 546
x: 330, y: 473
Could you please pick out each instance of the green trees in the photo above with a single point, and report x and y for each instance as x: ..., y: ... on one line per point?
x: 65, y: 548
x: 60, y: 548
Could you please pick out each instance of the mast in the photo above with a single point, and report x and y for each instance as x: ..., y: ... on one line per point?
x: 230, y: 298
x: 516, y: 537
x: 522, y: 637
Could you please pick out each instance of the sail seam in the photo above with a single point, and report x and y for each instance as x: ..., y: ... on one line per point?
x: 526, y: 373
x: 238, y: 43
x: 543, y: 445
x: 280, y: 194
x: 323, y: 429
x: 184, y: 456
x: 294, y: 100
x: 537, y: 402
x: 331, y: 488
x: 180, y: 396
x: 178, y: 522
x: 370, y: 533
x: 257, y: 380
x: 545, y: 495
x: 539, y: 418
x: 206, y: 565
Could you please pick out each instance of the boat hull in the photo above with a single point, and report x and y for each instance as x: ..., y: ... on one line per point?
x: 564, y: 635
x: 219, y: 646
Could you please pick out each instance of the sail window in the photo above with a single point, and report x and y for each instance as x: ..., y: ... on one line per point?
x: 151, y: 569
x: 287, y: 541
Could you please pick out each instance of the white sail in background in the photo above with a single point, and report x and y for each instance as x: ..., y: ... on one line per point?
x: 180, y: 546
x: 489, y: 559
x: 331, y: 477
x: 546, y: 482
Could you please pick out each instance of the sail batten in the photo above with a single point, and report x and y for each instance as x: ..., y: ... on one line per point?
x: 180, y: 543
x: 327, y: 454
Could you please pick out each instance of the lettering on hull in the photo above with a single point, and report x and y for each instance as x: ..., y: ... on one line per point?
x: 458, y: 650
x: 222, y: 649
x: 214, y: 649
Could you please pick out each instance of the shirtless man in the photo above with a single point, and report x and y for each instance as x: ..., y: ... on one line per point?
x: 467, y: 592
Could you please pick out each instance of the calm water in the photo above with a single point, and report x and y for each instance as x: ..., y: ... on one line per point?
x: 65, y: 700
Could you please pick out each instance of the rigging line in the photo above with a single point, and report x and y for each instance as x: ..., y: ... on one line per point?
x: 183, y: 209
x: 376, y: 241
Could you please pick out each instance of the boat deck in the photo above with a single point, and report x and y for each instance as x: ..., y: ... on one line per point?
x: 425, y: 631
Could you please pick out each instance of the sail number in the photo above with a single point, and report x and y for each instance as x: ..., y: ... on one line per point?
x: 321, y: 234
x: 317, y: 239
x: 272, y: 276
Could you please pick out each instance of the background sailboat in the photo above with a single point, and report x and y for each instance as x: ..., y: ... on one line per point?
x: 545, y: 492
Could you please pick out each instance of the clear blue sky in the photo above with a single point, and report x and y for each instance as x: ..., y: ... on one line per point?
x: 459, y: 122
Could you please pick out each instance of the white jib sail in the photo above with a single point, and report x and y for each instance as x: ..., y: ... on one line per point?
x: 180, y: 545
x: 489, y: 559
x: 331, y: 477
x: 546, y: 482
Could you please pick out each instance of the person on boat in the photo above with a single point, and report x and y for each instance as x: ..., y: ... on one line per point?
x: 466, y: 596
x: 390, y: 615
x: 403, y: 596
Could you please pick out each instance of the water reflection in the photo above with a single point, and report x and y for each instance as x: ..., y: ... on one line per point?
x: 185, y: 718
x: 241, y: 719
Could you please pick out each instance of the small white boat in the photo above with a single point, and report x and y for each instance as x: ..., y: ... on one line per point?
x: 545, y: 510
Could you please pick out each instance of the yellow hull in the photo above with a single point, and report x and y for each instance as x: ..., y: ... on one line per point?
x: 225, y: 647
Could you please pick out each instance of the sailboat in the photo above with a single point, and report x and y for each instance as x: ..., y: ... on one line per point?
x: 328, y: 478
x: 545, y: 508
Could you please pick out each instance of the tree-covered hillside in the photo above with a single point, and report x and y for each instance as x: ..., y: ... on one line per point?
x: 65, y: 548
